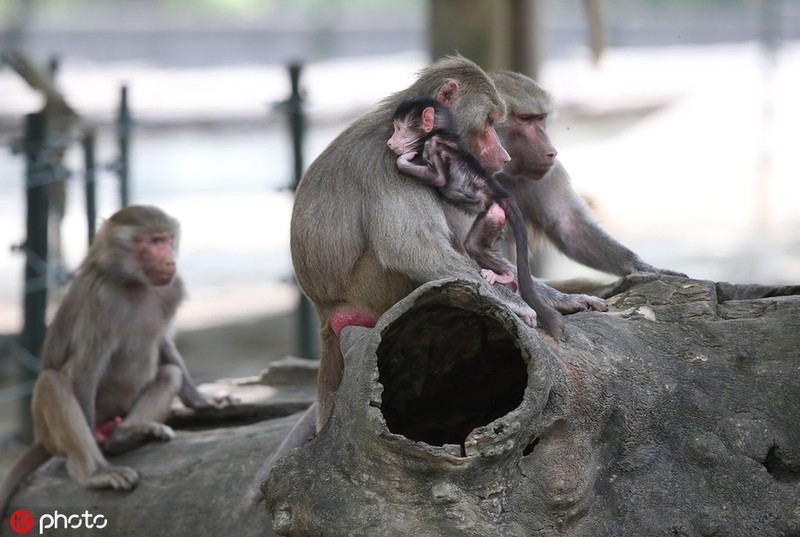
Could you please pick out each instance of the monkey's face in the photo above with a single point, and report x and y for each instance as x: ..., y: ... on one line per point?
x: 485, y: 144
x: 525, y: 136
x: 155, y: 256
x: 407, y: 134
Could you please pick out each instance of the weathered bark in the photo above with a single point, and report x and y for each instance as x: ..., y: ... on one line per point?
x: 675, y: 413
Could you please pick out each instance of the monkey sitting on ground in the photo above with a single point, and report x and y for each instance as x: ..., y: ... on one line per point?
x: 110, y: 367
x: 425, y: 125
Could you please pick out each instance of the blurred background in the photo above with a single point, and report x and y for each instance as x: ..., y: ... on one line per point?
x: 677, y: 120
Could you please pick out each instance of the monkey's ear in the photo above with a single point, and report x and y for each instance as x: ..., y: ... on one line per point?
x: 428, y: 119
x: 446, y: 94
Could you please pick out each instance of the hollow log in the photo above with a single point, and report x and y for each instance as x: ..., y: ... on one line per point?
x: 675, y: 413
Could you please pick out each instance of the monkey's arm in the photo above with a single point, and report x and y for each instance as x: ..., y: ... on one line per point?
x: 84, y: 368
x: 552, y: 206
x: 427, y: 173
x: 78, y: 345
x: 409, y: 233
x: 189, y: 394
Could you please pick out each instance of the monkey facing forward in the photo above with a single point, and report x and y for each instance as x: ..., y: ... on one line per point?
x: 425, y: 125
x: 110, y: 367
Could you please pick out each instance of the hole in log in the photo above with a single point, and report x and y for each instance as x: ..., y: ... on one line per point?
x: 446, y: 370
x: 530, y: 447
x: 778, y: 469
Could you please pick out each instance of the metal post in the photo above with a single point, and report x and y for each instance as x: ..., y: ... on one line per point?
x: 52, y: 68
x: 308, y: 325
x: 296, y: 121
x: 124, y: 127
x: 89, y: 182
x: 38, y: 180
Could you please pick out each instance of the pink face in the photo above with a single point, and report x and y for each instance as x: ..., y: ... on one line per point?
x: 525, y: 136
x: 155, y: 254
x: 401, y: 138
x: 485, y: 144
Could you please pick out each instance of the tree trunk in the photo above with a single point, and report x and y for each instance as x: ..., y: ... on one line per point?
x: 675, y: 413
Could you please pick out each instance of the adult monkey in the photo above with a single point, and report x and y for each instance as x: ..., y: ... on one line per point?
x: 110, y: 367
x: 364, y: 235
x: 541, y: 186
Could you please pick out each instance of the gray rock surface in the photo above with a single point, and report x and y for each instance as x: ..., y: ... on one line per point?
x: 195, y: 484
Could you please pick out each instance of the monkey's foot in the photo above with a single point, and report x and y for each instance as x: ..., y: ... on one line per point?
x: 595, y: 303
x: 506, y: 278
x: 113, y: 477
x: 129, y: 436
x: 528, y: 315
x: 573, y: 303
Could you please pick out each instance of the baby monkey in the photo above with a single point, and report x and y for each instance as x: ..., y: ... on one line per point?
x: 425, y: 125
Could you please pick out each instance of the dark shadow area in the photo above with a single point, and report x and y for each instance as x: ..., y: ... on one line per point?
x: 778, y: 469
x: 445, y: 371
x: 530, y: 447
x: 730, y: 291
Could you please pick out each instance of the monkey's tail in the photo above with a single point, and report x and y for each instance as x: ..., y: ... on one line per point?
x: 33, y: 457
x: 548, y: 317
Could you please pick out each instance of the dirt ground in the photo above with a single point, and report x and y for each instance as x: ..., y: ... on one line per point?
x: 234, y: 349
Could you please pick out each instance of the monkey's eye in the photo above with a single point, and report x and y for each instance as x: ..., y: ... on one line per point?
x: 532, y: 117
x: 159, y: 239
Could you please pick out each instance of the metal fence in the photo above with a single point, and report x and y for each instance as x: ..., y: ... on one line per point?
x: 47, y: 137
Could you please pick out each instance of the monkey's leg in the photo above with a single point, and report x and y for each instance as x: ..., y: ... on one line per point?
x: 331, y: 368
x: 480, y: 245
x: 151, y: 409
x: 331, y: 364
x: 61, y: 427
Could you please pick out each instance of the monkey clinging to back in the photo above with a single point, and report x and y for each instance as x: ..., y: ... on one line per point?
x: 424, y: 125
x: 109, y: 366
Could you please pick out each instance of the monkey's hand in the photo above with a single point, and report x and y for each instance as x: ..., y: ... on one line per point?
x: 463, y: 199
x: 506, y: 279
x: 571, y: 303
x: 526, y: 313
x: 513, y: 301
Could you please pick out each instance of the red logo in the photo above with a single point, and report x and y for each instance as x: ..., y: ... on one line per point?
x: 22, y: 521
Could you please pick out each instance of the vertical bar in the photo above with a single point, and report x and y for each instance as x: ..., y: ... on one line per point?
x: 124, y: 124
x: 308, y: 325
x: 296, y: 121
x: 89, y: 182
x: 38, y: 179
x: 52, y: 68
